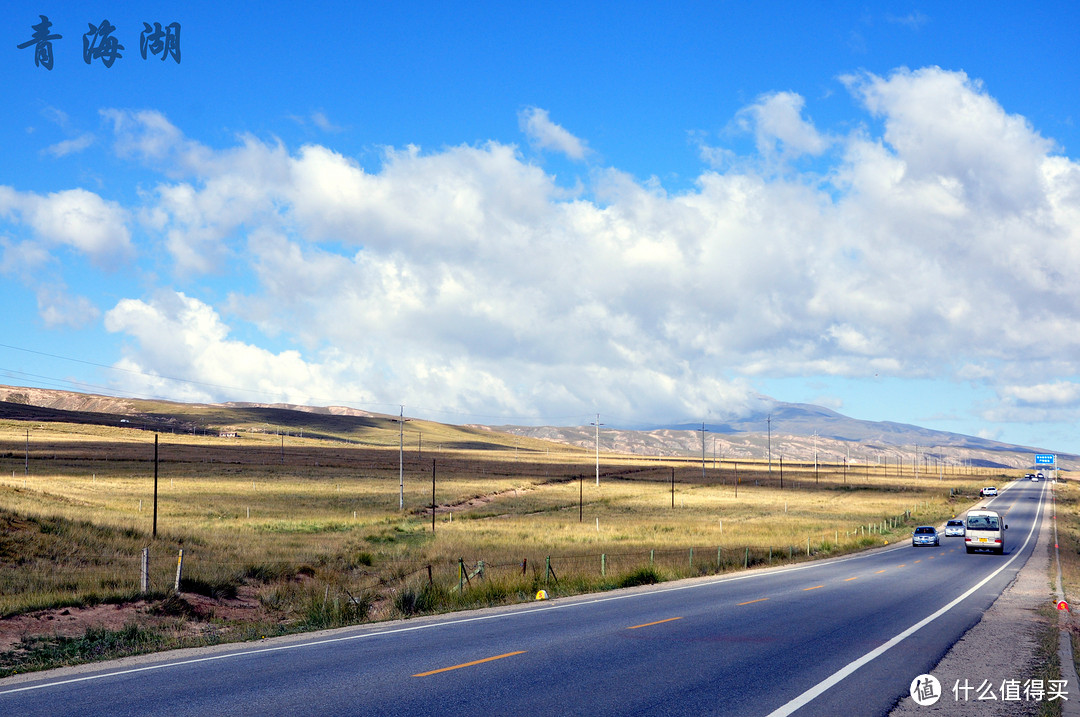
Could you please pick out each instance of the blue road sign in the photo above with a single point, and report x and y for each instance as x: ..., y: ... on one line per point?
x: 1047, y: 458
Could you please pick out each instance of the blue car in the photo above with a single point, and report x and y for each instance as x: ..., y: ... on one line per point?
x: 925, y: 535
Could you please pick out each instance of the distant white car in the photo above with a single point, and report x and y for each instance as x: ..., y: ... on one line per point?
x: 988, y: 491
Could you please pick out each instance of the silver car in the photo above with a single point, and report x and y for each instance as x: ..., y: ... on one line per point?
x: 954, y: 528
x: 925, y: 535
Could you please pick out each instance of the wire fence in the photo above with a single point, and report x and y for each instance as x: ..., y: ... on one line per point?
x: 161, y: 567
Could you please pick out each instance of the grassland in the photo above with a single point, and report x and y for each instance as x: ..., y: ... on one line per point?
x: 1067, y: 518
x: 311, y: 526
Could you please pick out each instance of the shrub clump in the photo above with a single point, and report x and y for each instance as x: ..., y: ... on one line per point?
x: 641, y: 576
x: 427, y: 598
x: 219, y: 589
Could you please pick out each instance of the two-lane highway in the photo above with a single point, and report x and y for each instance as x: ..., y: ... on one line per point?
x: 842, y: 636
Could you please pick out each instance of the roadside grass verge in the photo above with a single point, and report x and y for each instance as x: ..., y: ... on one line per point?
x: 1048, y: 667
x: 49, y: 651
x: 1068, y: 525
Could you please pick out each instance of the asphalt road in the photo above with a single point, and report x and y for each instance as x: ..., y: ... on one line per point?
x: 837, y: 637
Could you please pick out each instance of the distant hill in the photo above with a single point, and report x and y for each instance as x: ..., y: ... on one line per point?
x: 335, y: 423
x: 799, y: 431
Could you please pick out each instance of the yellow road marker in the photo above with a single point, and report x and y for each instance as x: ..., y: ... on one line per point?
x: 879, y: 572
x: 918, y: 561
x: 847, y: 580
x: 469, y: 664
x: 650, y: 624
x: 750, y: 601
x: 813, y: 588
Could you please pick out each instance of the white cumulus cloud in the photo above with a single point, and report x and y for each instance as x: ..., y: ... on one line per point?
x: 463, y: 278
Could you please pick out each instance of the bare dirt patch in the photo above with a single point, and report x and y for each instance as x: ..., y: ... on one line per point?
x: 186, y: 615
x: 477, y: 501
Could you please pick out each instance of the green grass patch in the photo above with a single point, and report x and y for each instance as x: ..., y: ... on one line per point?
x: 41, y: 653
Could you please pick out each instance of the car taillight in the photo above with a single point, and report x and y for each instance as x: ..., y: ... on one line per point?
x: 997, y: 540
x: 967, y: 540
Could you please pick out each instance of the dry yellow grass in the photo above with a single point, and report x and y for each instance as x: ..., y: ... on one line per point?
x: 261, y: 505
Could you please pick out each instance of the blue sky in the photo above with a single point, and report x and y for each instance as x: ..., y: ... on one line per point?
x: 511, y: 213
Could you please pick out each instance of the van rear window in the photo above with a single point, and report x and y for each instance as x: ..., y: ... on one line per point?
x: 982, y: 522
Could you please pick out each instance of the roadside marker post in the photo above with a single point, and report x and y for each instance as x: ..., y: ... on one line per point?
x: 179, y: 569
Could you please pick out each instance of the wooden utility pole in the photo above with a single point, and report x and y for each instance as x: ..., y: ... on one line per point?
x: 401, y: 459
x: 155, y: 483
x: 703, y: 452
x: 598, y: 424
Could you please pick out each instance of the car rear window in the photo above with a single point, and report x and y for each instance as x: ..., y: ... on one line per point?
x: 955, y: 522
x: 924, y: 531
x: 982, y: 522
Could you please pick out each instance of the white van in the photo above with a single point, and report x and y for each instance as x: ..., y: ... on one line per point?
x: 984, y: 530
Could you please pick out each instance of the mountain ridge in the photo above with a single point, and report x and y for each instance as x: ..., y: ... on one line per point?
x: 799, y: 431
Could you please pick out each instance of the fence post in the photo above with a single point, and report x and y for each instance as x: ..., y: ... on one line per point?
x: 691, y: 559
x: 461, y: 574
x: 524, y: 565
x: 746, y: 558
x: 718, y: 563
x: 179, y: 569
x: 603, y: 565
x: 651, y: 557
x: 547, y: 570
x: 144, y: 577
x: 429, y: 579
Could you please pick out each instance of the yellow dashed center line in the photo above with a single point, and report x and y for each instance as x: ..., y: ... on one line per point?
x: 813, y: 588
x: 469, y: 664
x: 650, y: 624
x: 850, y: 579
x: 918, y: 561
x: 752, y: 601
x: 879, y: 572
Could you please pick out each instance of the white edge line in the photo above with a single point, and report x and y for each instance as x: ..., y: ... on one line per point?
x: 833, y: 679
